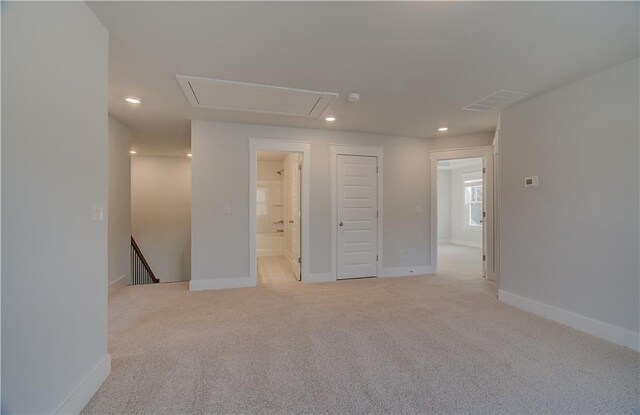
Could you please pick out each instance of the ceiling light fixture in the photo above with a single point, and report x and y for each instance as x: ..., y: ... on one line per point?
x: 133, y: 152
x: 133, y: 100
x: 443, y: 129
x: 330, y: 119
x: 189, y: 155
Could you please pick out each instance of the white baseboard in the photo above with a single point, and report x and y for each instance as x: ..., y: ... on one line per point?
x: 466, y: 243
x: 614, y: 334
x: 220, y: 283
x: 87, y: 388
x: 406, y: 271
x: 119, y: 283
x: 319, y: 277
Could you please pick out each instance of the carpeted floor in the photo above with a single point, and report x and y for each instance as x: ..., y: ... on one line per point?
x: 461, y: 262
x: 275, y: 270
x: 430, y: 344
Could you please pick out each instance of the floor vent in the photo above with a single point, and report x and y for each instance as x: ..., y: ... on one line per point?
x: 257, y: 98
x: 496, y: 101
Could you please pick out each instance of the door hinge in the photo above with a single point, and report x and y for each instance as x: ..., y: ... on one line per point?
x: 299, y: 260
x: 300, y: 166
x: 484, y: 214
x: 376, y: 169
x: 484, y: 169
x: 376, y: 258
x: 484, y: 257
x: 377, y: 213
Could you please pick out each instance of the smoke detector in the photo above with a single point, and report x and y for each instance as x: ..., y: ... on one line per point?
x: 353, y: 97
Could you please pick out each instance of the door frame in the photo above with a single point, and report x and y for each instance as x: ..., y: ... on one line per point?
x: 485, y: 152
x: 354, y: 150
x: 304, y: 148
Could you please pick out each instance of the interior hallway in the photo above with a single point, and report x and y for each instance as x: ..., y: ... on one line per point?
x: 275, y: 270
x: 389, y: 345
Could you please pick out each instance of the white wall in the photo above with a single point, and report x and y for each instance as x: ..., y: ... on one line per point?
x: 267, y: 170
x: 444, y: 205
x: 119, y: 210
x: 54, y: 168
x: 220, y: 242
x: 573, y: 243
x: 161, y: 214
x: 462, y: 234
x: 0, y: 221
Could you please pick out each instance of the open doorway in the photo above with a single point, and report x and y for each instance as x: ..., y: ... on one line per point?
x: 461, y: 217
x: 160, y: 248
x: 278, y: 217
x: 462, y: 234
x: 278, y: 211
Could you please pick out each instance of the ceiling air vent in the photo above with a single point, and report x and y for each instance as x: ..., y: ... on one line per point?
x: 242, y: 96
x: 496, y: 101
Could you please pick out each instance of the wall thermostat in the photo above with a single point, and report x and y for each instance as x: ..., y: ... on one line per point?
x: 531, y: 181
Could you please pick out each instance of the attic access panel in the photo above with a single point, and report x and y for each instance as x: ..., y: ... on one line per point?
x: 257, y: 98
x: 496, y: 101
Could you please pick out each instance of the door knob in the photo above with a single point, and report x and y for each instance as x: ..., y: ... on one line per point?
x: 340, y: 224
x: 291, y: 221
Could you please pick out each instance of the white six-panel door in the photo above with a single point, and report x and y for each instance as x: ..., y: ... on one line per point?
x: 357, y: 234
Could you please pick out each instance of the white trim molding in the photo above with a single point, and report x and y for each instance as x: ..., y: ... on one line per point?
x: 221, y: 283
x: 354, y: 150
x: 87, y: 388
x: 407, y: 271
x: 290, y: 146
x: 122, y: 281
x: 485, y: 152
x: 609, y: 332
x: 496, y: 199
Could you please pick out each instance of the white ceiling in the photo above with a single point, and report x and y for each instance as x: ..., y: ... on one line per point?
x: 415, y: 64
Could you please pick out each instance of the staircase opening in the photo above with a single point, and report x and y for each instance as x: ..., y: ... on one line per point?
x: 160, y: 218
x: 141, y: 272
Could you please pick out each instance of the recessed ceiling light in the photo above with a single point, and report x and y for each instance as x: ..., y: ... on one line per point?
x: 133, y: 152
x: 133, y: 100
x: 443, y: 128
x: 189, y: 154
x: 330, y: 119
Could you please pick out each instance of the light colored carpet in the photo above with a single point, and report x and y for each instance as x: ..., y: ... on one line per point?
x: 275, y: 270
x: 430, y: 344
x: 461, y: 262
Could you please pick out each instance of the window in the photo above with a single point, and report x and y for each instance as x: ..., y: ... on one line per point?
x: 473, y: 196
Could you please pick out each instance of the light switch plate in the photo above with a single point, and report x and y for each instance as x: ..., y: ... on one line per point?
x: 98, y: 212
